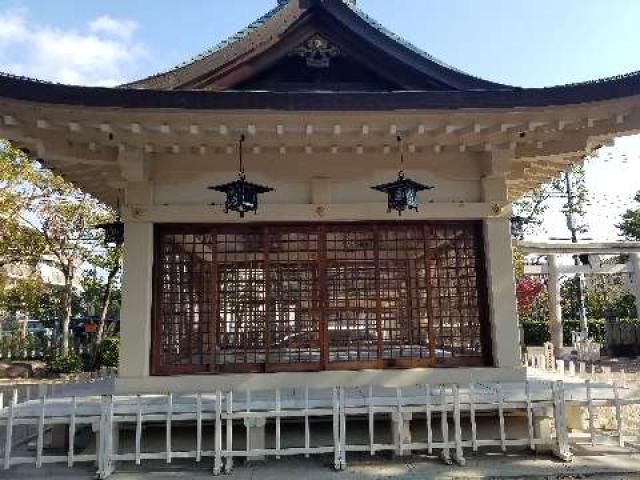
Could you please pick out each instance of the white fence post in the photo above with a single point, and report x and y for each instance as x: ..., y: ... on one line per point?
x: 8, y: 443
x: 229, y: 423
x: 336, y: 430
x: 217, y: 466
x: 562, y: 449
x: 457, y: 426
x: 444, y: 425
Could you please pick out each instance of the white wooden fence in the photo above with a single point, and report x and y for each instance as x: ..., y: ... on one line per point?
x: 582, y: 370
x: 27, y: 391
x: 37, y: 351
x: 449, y: 414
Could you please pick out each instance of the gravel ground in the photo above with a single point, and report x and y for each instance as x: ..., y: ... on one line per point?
x: 630, y: 365
x: 605, y: 418
x: 613, y: 465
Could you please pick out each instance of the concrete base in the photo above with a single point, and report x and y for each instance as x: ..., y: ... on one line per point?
x: 576, y: 417
x: 543, y: 428
x: 616, y: 466
x: 255, y: 437
x: 57, y: 437
x: 401, y: 432
x: 327, y: 379
x: 104, y: 471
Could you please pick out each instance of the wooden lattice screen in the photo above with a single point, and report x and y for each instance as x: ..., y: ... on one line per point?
x: 266, y: 298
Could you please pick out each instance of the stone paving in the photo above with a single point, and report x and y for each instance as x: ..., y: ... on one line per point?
x: 612, y: 464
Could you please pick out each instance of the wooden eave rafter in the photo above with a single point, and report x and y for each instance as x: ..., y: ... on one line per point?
x: 85, y: 144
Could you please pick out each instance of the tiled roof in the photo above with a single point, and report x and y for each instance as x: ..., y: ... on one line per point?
x: 397, y: 38
x: 283, y: 4
x: 234, y: 38
x: 221, y: 45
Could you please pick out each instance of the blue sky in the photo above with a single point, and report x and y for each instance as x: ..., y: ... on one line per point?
x: 527, y: 43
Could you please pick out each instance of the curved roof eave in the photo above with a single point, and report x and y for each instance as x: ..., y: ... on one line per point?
x: 30, y: 90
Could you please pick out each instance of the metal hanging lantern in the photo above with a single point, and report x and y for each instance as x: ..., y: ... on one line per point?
x: 403, y: 193
x: 241, y: 196
x: 113, y: 232
x: 517, y: 227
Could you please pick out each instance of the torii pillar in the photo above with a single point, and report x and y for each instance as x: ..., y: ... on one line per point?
x: 555, y: 307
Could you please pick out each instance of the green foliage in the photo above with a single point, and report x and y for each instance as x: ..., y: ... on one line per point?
x: 43, y: 216
x: 93, y: 287
x: 61, y: 363
x: 109, y: 352
x: 606, y: 295
x: 538, y: 311
x: 630, y: 225
x: 536, y: 333
x: 36, y: 300
x: 518, y: 263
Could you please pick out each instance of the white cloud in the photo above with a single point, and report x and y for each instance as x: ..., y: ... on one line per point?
x: 104, y: 53
x: 14, y: 26
x: 113, y: 26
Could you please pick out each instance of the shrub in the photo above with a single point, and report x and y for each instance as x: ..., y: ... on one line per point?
x: 70, y: 363
x: 109, y: 352
x: 537, y: 333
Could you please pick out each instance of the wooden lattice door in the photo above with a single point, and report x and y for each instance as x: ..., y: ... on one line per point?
x: 261, y: 298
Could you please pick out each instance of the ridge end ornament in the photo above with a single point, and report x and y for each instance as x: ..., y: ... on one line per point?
x: 317, y: 51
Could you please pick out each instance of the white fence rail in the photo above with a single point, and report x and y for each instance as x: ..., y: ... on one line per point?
x: 28, y: 392
x: 450, y: 415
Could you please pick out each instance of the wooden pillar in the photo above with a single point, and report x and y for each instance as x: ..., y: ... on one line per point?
x: 502, y: 292
x: 135, y: 327
x: 555, y: 308
x: 501, y: 283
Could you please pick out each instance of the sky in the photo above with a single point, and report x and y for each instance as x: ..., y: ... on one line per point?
x: 526, y: 43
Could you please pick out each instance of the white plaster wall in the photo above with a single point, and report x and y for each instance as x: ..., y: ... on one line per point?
x: 457, y: 178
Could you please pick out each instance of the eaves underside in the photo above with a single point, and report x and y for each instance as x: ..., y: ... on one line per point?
x: 24, y: 89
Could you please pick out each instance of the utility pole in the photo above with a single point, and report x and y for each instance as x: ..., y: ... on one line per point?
x: 579, y: 279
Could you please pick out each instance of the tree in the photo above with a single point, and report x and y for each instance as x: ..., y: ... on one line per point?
x: 45, y: 216
x: 527, y: 290
x: 32, y: 297
x: 101, y: 291
x: 630, y: 225
x: 530, y: 210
